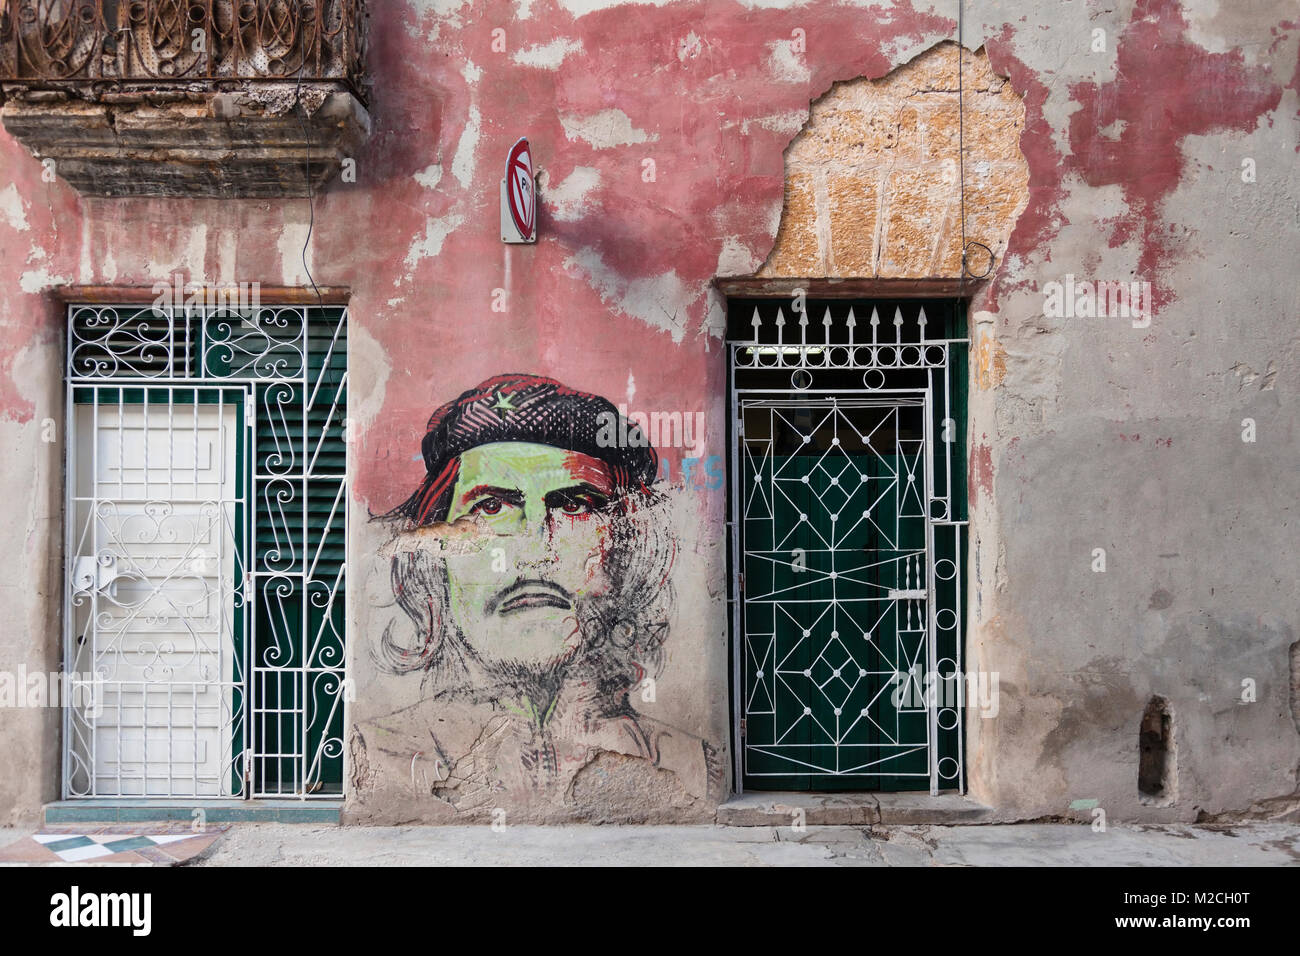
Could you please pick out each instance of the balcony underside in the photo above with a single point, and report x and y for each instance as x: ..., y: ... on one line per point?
x: 260, y: 143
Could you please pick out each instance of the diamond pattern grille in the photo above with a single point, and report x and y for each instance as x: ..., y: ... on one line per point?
x: 835, y: 529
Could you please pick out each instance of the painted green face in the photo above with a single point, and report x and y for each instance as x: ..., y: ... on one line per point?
x: 515, y: 600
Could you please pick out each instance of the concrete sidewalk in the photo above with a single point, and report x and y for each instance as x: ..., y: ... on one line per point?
x: 994, y: 845
x: 278, y: 844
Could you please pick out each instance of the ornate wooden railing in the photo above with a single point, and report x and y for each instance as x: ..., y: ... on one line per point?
x: 121, y: 44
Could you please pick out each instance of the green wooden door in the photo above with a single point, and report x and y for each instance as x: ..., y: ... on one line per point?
x: 835, y: 601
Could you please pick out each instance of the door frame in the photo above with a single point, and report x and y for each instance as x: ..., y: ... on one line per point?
x: 749, y: 295
x: 190, y: 360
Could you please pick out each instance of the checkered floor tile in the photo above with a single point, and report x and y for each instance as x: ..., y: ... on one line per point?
x: 115, y: 845
x: 74, y: 849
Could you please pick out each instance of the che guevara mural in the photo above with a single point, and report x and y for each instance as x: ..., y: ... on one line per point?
x: 532, y: 580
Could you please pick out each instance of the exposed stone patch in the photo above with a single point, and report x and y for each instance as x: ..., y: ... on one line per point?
x: 363, y: 777
x: 462, y: 536
x: 873, y: 186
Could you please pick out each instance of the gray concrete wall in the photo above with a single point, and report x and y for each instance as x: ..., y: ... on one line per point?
x: 32, y: 529
x: 1091, y: 433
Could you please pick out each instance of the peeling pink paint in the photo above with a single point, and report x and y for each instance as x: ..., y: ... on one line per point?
x: 1042, y: 218
x: 621, y: 285
x: 629, y: 279
x: 1167, y: 88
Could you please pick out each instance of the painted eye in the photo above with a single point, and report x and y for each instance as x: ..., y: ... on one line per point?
x: 488, y: 506
x: 574, y: 503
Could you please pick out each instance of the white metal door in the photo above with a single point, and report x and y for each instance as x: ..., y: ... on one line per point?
x: 154, y: 582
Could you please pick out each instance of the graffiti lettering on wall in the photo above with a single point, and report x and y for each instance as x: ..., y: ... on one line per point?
x: 696, y: 472
x: 532, y: 571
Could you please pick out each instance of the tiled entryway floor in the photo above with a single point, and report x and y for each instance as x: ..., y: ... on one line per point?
x: 155, y: 844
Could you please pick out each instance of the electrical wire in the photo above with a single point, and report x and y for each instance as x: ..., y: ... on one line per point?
x: 961, y: 156
x: 961, y: 131
x: 311, y: 198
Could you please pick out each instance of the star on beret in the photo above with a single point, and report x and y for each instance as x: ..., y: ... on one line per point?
x: 503, y: 406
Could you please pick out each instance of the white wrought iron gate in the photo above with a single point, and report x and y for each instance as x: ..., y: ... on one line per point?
x: 205, y: 546
x: 847, y: 544
x: 154, y: 506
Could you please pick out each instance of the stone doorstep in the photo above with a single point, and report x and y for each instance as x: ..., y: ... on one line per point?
x: 767, y: 809
x: 851, y: 809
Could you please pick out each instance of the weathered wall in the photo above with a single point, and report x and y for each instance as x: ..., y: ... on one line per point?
x: 32, y: 530
x: 1126, y: 434
x: 660, y: 129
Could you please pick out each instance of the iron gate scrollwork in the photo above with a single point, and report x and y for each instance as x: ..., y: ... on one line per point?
x: 205, y: 551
